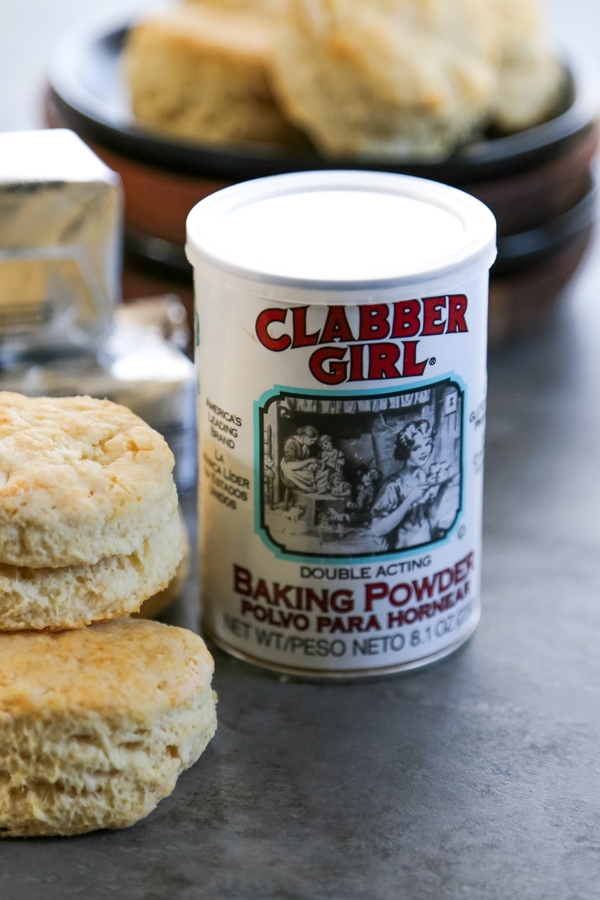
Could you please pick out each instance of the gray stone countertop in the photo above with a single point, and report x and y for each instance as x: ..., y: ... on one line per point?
x: 475, y: 778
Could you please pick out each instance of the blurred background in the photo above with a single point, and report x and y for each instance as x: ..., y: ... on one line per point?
x: 31, y: 27
x: 525, y: 283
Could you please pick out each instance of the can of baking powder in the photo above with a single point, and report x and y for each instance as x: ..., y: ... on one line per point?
x: 341, y: 361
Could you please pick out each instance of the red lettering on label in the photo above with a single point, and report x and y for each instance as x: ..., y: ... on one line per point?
x: 374, y: 325
x: 336, y: 326
x: 348, y: 357
x: 326, y: 365
x: 266, y: 318
x: 301, y: 337
x: 382, y: 361
x: 419, y: 590
x: 356, y: 362
x: 406, y: 319
x: 377, y: 322
x: 433, y: 323
x: 365, y: 362
x: 411, y: 366
x: 242, y: 581
x: 457, y: 308
x: 377, y: 590
x: 288, y: 596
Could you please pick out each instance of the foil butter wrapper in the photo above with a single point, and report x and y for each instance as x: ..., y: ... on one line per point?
x: 61, y: 214
x: 136, y: 366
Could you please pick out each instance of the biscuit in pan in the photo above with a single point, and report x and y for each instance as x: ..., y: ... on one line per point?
x: 97, y: 723
x: 388, y: 78
x: 399, y: 79
x: 202, y: 73
x: 413, y: 79
x: 267, y: 7
x: 531, y: 74
x: 74, y: 596
x: 81, y: 479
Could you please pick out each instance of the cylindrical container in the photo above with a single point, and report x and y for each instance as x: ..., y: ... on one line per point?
x: 341, y: 361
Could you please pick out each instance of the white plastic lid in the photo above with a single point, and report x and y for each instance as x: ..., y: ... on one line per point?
x: 342, y: 229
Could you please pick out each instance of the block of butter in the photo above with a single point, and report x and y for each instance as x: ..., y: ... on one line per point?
x: 61, y: 212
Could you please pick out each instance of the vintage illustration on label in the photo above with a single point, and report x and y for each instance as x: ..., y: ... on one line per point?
x: 370, y: 474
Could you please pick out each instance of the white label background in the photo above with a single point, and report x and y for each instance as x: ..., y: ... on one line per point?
x: 235, y: 375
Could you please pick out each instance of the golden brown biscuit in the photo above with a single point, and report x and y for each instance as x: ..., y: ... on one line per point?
x: 72, y: 596
x: 201, y: 72
x: 269, y: 7
x: 158, y: 603
x: 413, y: 79
x: 531, y: 75
x: 400, y: 79
x: 388, y: 78
x: 81, y: 479
x: 96, y: 724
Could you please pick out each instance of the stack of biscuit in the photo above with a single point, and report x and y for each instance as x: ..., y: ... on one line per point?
x: 99, y: 712
x: 400, y: 79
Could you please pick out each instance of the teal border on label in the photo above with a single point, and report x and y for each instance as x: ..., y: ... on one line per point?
x: 275, y: 392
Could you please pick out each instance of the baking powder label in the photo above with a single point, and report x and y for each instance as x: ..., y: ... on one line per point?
x: 341, y: 458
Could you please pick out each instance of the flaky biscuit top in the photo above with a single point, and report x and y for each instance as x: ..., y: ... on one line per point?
x: 75, y: 450
x: 78, y: 477
x: 132, y: 669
